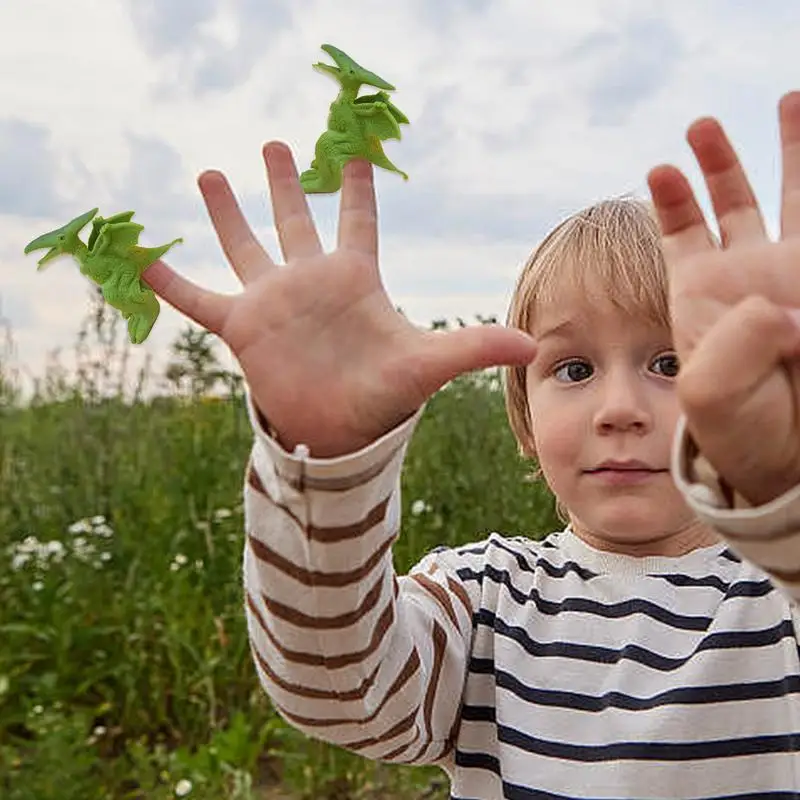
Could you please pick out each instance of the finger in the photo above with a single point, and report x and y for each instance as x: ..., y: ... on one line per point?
x: 790, y: 141
x: 683, y: 226
x: 209, y: 309
x: 296, y: 231
x: 243, y: 251
x: 736, y: 355
x: 448, y: 354
x: 732, y: 197
x: 358, y: 216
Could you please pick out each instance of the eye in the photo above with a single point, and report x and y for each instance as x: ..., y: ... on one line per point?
x: 573, y: 371
x: 666, y: 364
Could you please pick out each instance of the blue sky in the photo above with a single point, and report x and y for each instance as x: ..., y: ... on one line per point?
x: 520, y: 113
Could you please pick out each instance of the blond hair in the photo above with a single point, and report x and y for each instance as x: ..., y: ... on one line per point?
x: 612, y: 248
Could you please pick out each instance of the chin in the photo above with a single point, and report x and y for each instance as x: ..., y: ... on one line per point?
x: 630, y: 521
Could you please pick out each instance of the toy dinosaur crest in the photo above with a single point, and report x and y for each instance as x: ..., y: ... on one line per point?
x: 349, y: 72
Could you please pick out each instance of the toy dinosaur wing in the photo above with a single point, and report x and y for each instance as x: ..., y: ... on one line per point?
x: 119, y: 238
x: 382, y: 125
x: 382, y: 97
x: 98, y: 222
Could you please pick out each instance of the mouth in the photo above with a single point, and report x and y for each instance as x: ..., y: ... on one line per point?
x: 58, y: 242
x: 630, y: 465
x: 54, y: 252
x: 624, y: 472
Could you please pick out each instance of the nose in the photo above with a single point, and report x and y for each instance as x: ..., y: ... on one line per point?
x: 622, y: 405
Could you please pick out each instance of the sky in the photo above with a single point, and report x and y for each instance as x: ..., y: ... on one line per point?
x: 520, y: 113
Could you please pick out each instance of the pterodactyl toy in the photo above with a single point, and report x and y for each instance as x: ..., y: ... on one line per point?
x: 356, y: 125
x: 113, y: 259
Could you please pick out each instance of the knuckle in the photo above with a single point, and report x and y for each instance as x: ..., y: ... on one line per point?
x: 759, y: 316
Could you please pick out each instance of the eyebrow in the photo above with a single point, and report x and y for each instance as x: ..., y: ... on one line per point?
x: 563, y: 328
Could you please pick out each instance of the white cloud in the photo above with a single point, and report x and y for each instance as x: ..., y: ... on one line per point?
x: 521, y: 112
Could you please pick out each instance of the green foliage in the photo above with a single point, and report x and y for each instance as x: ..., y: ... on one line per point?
x: 194, y: 368
x: 124, y: 665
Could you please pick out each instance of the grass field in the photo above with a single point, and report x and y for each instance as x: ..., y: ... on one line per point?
x: 124, y: 665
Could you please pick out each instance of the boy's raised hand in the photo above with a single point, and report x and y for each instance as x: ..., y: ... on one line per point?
x: 731, y: 303
x: 329, y: 360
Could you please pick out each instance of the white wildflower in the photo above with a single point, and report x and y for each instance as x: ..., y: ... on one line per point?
x: 222, y: 513
x: 30, y: 549
x: 99, y: 731
x: 103, y: 530
x: 83, y: 549
x: 182, y: 788
x: 19, y: 559
x: 81, y: 526
x: 419, y: 507
x: 37, y: 586
x: 198, y: 564
x: 98, y: 520
x: 105, y: 556
x: 179, y: 561
x: 55, y: 550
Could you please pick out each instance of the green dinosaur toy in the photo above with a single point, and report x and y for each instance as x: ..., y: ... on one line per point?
x: 113, y: 259
x: 356, y: 125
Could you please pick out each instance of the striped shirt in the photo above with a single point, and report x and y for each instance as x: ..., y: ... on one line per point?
x: 524, y: 669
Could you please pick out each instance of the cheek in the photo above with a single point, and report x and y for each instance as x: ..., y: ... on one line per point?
x: 668, y: 410
x: 557, y: 434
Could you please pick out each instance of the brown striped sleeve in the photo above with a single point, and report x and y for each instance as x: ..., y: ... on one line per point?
x: 348, y: 651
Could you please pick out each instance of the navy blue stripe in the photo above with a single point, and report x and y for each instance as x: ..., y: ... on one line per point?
x: 525, y: 565
x: 707, y: 581
x: 554, y: 570
x: 731, y: 556
x: 583, y: 605
x: 738, y: 589
x: 477, y: 761
x: 651, y: 751
x: 514, y: 792
x: 550, y: 545
x: 751, y: 589
x: 695, y: 695
x: 631, y: 652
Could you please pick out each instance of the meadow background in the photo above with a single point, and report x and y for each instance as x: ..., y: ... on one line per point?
x: 124, y: 665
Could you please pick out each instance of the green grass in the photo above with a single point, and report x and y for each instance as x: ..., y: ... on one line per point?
x: 124, y: 665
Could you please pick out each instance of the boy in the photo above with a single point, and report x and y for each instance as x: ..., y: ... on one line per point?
x: 650, y: 649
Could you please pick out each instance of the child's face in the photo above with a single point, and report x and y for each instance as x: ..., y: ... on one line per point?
x: 601, y: 392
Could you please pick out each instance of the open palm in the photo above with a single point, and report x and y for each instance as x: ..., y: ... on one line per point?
x: 328, y: 359
x: 740, y: 381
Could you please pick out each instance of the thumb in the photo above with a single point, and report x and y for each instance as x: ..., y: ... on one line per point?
x: 206, y: 308
x: 452, y: 353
